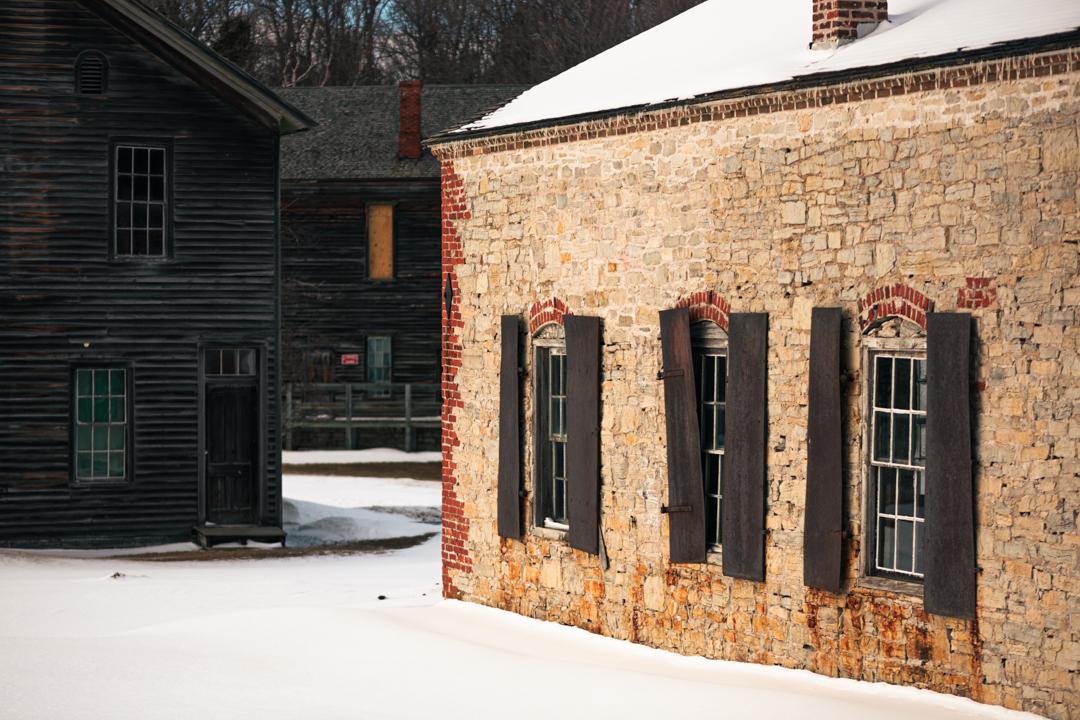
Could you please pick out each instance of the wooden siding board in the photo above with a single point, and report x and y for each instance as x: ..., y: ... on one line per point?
x: 685, y: 485
x: 330, y: 304
x: 743, y: 508
x: 583, y: 431
x: 823, y: 535
x: 950, y: 582
x: 60, y: 290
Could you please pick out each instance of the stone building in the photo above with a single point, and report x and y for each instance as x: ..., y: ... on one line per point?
x: 784, y: 371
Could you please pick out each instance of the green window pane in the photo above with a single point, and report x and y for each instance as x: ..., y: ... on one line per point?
x: 84, y: 382
x: 101, y: 382
x: 116, y: 410
x: 84, y: 464
x: 116, y: 382
x: 116, y: 437
x: 84, y: 438
x: 101, y: 437
x: 116, y: 464
x: 86, y: 408
x: 101, y: 409
x: 101, y: 464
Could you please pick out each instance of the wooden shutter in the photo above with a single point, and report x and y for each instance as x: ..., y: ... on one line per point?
x: 583, y: 431
x: 823, y: 533
x: 686, y: 493
x: 949, y: 585
x: 509, y: 500
x: 380, y: 242
x: 743, y: 505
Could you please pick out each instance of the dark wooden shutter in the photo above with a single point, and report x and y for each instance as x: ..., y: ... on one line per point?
x: 686, y: 493
x: 822, y: 537
x: 509, y: 500
x: 743, y: 513
x: 583, y: 431
x: 949, y: 585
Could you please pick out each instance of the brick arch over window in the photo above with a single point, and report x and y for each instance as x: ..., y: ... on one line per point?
x: 896, y: 300
x: 545, y: 312
x: 707, y: 305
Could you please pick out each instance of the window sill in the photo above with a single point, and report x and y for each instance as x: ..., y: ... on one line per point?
x: 890, y: 585
x: 714, y: 556
x: 549, y: 533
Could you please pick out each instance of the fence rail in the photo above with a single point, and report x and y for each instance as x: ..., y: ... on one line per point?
x: 351, y: 406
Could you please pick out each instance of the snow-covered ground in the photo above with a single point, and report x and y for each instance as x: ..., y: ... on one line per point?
x: 308, y: 637
x: 374, y: 455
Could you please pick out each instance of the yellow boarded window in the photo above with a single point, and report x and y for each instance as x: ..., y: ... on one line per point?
x: 381, y: 242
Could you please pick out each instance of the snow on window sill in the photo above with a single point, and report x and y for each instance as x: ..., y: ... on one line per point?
x: 551, y: 532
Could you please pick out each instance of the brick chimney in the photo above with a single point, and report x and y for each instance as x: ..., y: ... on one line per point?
x: 837, y: 22
x: 409, y: 92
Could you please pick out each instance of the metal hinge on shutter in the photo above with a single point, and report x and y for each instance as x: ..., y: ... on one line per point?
x: 673, y: 373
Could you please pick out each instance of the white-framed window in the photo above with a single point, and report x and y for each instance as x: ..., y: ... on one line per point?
x: 896, y: 479
x: 140, y: 203
x: 551, y: 431
x: 101, y: 424
x: 709, y: 346
x: 379, y: 364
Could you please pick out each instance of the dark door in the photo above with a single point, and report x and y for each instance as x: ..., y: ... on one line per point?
x: 231, y: 454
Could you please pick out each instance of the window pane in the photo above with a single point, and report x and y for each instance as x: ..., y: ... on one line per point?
x: 123, y: 159
x: 157, y: 189
x: 905, y: 538
x: 919, y: 399
x: 155, y: 244
x: 138, y: 216
x: 101, y: 382
x: 882, y: 381
x: 116, y: 410
x: 708, y: 430
x: 708, y: 389
x: 918, y: 441
x: 84, y: 437
x: 116, y: 464
x: 84, y: 464
x: 721, y: 376
x: 721, y: 417
x: 919, y: 548
x: 86, y: 410
x: 881, y: 436
x: 116, y: 438
x: 138, y: 242
x: 101, y: 437
x: 157, y: 161
x: 886, y: 542
x: 886, y: 489
x: 155, y: 219
x: 123, y: 242
x: 247, y: 362
x: 711, y: 470
x: 84, y: 381
x: 116, y: 382
x: 101, y: 409
x: 141, y: 160
x: 556, y: 375
x: 123, y: 187
x: 920, y: 494
x: 907, y: 492
x: 902, y: 383
x: 900, y: 438
x: 101, y: 465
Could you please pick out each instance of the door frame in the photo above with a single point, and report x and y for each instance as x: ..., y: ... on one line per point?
x: 260, y: 382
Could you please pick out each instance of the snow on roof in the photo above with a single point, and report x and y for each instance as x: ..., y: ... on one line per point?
x: 728, y: 44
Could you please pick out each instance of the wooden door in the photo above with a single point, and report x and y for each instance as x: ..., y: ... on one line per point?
x: 231, y: 453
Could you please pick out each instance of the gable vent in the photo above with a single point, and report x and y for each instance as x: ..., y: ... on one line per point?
x: 91, y: 74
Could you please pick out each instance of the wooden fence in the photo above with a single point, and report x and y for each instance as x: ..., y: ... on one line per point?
x: 351, y: 407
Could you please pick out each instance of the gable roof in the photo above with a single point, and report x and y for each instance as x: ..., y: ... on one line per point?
x: 724, y: 46
x: 202, y: 64
x: 357, y: 136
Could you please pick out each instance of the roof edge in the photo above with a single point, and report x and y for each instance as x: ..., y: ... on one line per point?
x: 233, y: 82
x: 1026, y: 46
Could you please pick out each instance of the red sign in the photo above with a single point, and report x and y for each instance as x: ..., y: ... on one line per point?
x: 350, y: 359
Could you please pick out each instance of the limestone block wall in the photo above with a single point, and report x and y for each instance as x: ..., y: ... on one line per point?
x: 962, y: 194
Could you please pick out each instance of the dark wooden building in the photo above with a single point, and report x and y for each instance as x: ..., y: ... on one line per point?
x: 139, y: 272
x: 361, y: 256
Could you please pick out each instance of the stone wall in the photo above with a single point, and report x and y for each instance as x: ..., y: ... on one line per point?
x: 951, y: 197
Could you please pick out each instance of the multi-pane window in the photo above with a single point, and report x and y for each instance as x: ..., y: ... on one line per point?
x: 710, y: 380
x: 139, y: 201
x: 898, y: 462
x: 101, y: 424
x: 230, y: 362
x: 379, y: 364
x: 551, y: 432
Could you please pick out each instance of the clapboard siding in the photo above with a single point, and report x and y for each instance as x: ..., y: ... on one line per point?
x: 59, y: 289
x: 328, y: 302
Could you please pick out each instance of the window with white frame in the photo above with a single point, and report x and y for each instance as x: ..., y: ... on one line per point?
x: 139, y: 201
x: 101, y: 424
x: 379, y: 365
x: 897, y: 462
x: 551, y: 432
x: 710, y: 379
